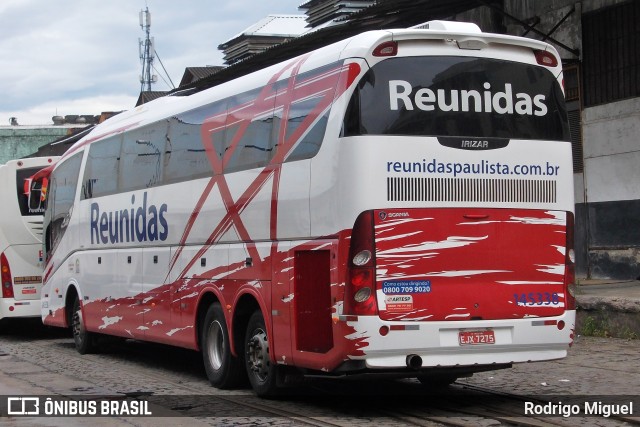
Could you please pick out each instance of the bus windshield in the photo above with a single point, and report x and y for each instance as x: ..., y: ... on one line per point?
x: 458, y: 96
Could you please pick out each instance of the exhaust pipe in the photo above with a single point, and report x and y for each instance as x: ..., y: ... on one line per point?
x: 414, y: 361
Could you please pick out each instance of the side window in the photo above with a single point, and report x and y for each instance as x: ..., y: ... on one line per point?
x: 352, y: 123
x: 64, y: 181
x: 192, y: 138
x: 299, y: 113
x: 250, y: 127
x: 310, y: 144
x: 185, y: 156
x: 141, y: 157
x: 101, y: 172
x: 307, y: 115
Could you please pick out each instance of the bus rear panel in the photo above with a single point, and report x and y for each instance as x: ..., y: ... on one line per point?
x: 20, y: 237
x: 457, y: 163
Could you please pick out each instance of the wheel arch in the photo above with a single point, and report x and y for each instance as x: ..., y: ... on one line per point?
x: 70, y: 296
x: 206, y: 300
x: 246, y: 305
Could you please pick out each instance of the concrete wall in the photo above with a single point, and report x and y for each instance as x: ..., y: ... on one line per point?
x: 612, y: 154
x: 549, y: 13
x: 611, y: 135
x: 21, y: 141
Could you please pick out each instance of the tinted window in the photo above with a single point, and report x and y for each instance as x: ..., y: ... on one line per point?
x: 196, y: 139
x: 249, y: 138
x: 141, y: 157
x: 255, y: 147
x: 310, y: 144
x: 453, y: 96
x: 185, y: 156
x: 102, y: 169
x: 64, y: 180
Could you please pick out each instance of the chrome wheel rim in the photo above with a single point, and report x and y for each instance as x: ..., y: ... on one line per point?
x: 215, y: 344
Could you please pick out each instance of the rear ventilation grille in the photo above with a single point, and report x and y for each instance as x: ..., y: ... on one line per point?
x: 471, y: 190
x: 36, y: 227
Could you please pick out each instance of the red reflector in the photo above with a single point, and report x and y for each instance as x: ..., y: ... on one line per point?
x: 384, y: 330
x: 545, y: 58
x: 561, y: 325
x: 386, y: 49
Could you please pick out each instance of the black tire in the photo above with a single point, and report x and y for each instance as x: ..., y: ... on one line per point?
x: 223, y: 369
x: 84, y: 340
x: 262, y: 373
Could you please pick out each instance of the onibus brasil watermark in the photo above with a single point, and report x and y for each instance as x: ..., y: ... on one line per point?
x: 59, y: 406
x: 587, y: 408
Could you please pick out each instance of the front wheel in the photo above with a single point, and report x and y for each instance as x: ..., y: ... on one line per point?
x: 223, y: 369
x: 84, y: 340
x: 262, y: 373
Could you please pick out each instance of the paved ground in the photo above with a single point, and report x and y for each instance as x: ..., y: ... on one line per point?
x: 44, y: 362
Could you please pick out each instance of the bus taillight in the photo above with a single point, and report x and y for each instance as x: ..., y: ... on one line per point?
x: 7, y: 282
x: 360, y: 295
x: 389, y: 48
x: 569, y: 265
x: 545, y: 58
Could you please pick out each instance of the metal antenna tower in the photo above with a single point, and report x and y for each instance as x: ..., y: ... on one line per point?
x: 147, y: 52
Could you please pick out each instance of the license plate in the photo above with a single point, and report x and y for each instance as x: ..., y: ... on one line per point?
x: 476, y: 337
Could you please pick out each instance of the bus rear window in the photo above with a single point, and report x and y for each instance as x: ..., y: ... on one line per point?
x: 31, y: 202
x: 458, y: 96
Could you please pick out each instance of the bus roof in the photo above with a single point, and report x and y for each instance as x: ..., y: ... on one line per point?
x: 466, y: 35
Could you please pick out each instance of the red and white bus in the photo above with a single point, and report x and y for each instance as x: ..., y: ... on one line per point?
x: 397, y: 202
x: 21, y: 236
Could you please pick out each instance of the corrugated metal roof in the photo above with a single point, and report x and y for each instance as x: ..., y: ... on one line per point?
x: 192, y: 74
x: 147, y: 96
x: 321, y: 12
x: 272, y: 25
x: 383, y: 15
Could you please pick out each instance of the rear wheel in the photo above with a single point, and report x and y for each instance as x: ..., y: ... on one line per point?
x: 223, y: 369
x: 84, y: 340
x: 262, y: 373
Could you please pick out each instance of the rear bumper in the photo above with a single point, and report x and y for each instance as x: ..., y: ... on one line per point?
x: 9, y: 307
x: 437, y: 343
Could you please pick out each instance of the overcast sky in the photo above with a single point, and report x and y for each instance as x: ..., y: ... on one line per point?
x: 81, y: 56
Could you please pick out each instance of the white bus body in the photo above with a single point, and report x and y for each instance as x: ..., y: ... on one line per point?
x: 400, y: 201
x: 21, y: 259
